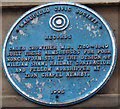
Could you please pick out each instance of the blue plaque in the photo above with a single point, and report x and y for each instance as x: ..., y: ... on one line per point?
x: 59, y: 53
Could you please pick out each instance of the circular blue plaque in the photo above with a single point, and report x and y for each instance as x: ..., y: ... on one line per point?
x: 59, y: 53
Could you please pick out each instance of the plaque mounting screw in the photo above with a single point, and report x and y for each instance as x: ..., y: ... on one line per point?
x: 57, y: 96
x: 17, y: 31
x: 100, y: 27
